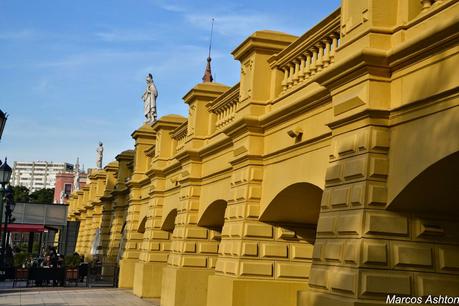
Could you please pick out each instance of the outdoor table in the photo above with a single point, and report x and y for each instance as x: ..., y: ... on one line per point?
x: 47, y: 274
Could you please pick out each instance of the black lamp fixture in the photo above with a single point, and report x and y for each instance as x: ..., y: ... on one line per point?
x: 5, y: 173
x: 3, y: 117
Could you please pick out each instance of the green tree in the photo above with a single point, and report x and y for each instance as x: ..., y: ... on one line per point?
x: 21, y: 194
x: 42, y: 196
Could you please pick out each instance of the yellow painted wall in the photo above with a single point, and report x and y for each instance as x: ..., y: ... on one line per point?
x: 313, y: 181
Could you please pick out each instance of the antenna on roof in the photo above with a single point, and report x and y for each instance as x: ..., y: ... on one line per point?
x: 208, y: 72
x: 211, y: 34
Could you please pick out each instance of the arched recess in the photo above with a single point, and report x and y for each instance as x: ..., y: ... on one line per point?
x: 169, y: 222
x: 434, y: 191
x: 214, y: 216
x: 296, y: 208
x: 141, y: 227
x: 417, y: 145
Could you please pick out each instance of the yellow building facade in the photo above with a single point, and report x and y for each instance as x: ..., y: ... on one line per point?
x: 326, y: 176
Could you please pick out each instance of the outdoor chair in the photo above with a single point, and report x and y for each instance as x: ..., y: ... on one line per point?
x: 21, y: 274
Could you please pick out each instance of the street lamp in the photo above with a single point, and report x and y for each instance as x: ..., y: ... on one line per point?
x: 3, y: 117
x: 5, y: 175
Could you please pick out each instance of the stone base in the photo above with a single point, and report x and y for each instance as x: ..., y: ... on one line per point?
x: 311, y: 298
x: 184, y: 286
x: 108, y: 270
x: 127, y: 269
x: 227, y: 291
x: 147, y: 279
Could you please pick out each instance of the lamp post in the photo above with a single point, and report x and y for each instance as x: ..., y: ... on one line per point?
x: 5, y: 174
x: 3, y: 117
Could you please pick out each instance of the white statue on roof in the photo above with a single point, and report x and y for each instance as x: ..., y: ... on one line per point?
x: 100, y: 155
x: 149, y: 100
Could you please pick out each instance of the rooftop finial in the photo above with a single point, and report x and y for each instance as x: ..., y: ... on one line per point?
x: 208, y: 72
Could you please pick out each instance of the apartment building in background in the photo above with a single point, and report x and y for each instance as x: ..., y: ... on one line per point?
x: 65, y: 185
x: 36, y: 175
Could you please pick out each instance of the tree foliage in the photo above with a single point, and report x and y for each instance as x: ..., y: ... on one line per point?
x: 42, y: 196
x: 21, y: 194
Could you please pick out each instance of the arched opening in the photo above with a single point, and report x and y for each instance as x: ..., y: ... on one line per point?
x: 214, y: 216
x: 169, y: 222
x: 297, y: 209
x: 434, y: 191
x: 430, y: 204
x: 122, y: 242
x: 141, y: 228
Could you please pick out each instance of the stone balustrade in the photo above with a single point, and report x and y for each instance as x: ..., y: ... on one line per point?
x: 180, y: 136
x: 310, y: 54
x: 427, y: 4
x: 225, y: 107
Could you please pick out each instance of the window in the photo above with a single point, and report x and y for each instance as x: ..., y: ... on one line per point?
x: 67, y: 189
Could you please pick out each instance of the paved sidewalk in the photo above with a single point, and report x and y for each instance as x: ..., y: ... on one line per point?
x: 72, y: 296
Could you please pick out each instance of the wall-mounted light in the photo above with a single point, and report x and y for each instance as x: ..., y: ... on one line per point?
x: 296, y: 133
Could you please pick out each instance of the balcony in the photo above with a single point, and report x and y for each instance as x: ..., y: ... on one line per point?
x: 180, y: 135
x: 310, y: 54
x: 225, y: 107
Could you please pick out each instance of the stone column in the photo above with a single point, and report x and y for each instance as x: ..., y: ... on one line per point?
x: 156, y: 243
x: 116, y: 227
x: 138, y: 198
x: 363, y: 252
x: 258, y: 264
x: 81, y: 232
x: 105, y: 226
x: 154, y: 251
x: 193, y: 253
x: 131, y: 247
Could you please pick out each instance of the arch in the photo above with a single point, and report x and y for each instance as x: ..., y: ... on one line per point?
x: 169, y: 223
x: 417, y: 145
x: 298, y: 203
x: 295, y: 208
x: 214, y: 216
x: 141, y: 227
x: 434, y: 190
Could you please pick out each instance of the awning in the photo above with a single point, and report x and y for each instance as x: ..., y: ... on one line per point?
x: 28, y: 228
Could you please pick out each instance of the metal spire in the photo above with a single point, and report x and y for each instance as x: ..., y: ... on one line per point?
x: 208, y: 72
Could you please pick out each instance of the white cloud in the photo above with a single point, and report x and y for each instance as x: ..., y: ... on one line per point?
x: 170, y: 6
x: 232, y: 25
x: 93, y: 57
x: 123, y: 36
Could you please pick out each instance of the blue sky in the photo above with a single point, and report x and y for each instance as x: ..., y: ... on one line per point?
x: 73, y: 72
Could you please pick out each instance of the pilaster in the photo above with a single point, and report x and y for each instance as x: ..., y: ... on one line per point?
x: 193, y: 251
x: 156, y: 243
x: 138, y: 199
x: 273, y: 262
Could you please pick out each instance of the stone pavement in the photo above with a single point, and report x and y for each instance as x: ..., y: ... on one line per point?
x: 72, y: 296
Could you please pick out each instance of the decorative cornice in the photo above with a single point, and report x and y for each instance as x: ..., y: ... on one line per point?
x: 127, y: 155
x: 248, y: 123
x: 168, y: 122
x: 367, y: 113
x: 264, y: 41
x: 205, y: 91
x: 145, y: 131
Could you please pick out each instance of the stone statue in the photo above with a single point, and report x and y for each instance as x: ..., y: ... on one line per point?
x: 149, y: 100
x: 100, y: 155
x: 76, y: 176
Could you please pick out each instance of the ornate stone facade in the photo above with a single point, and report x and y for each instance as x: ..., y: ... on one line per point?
x: 327, y: 176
